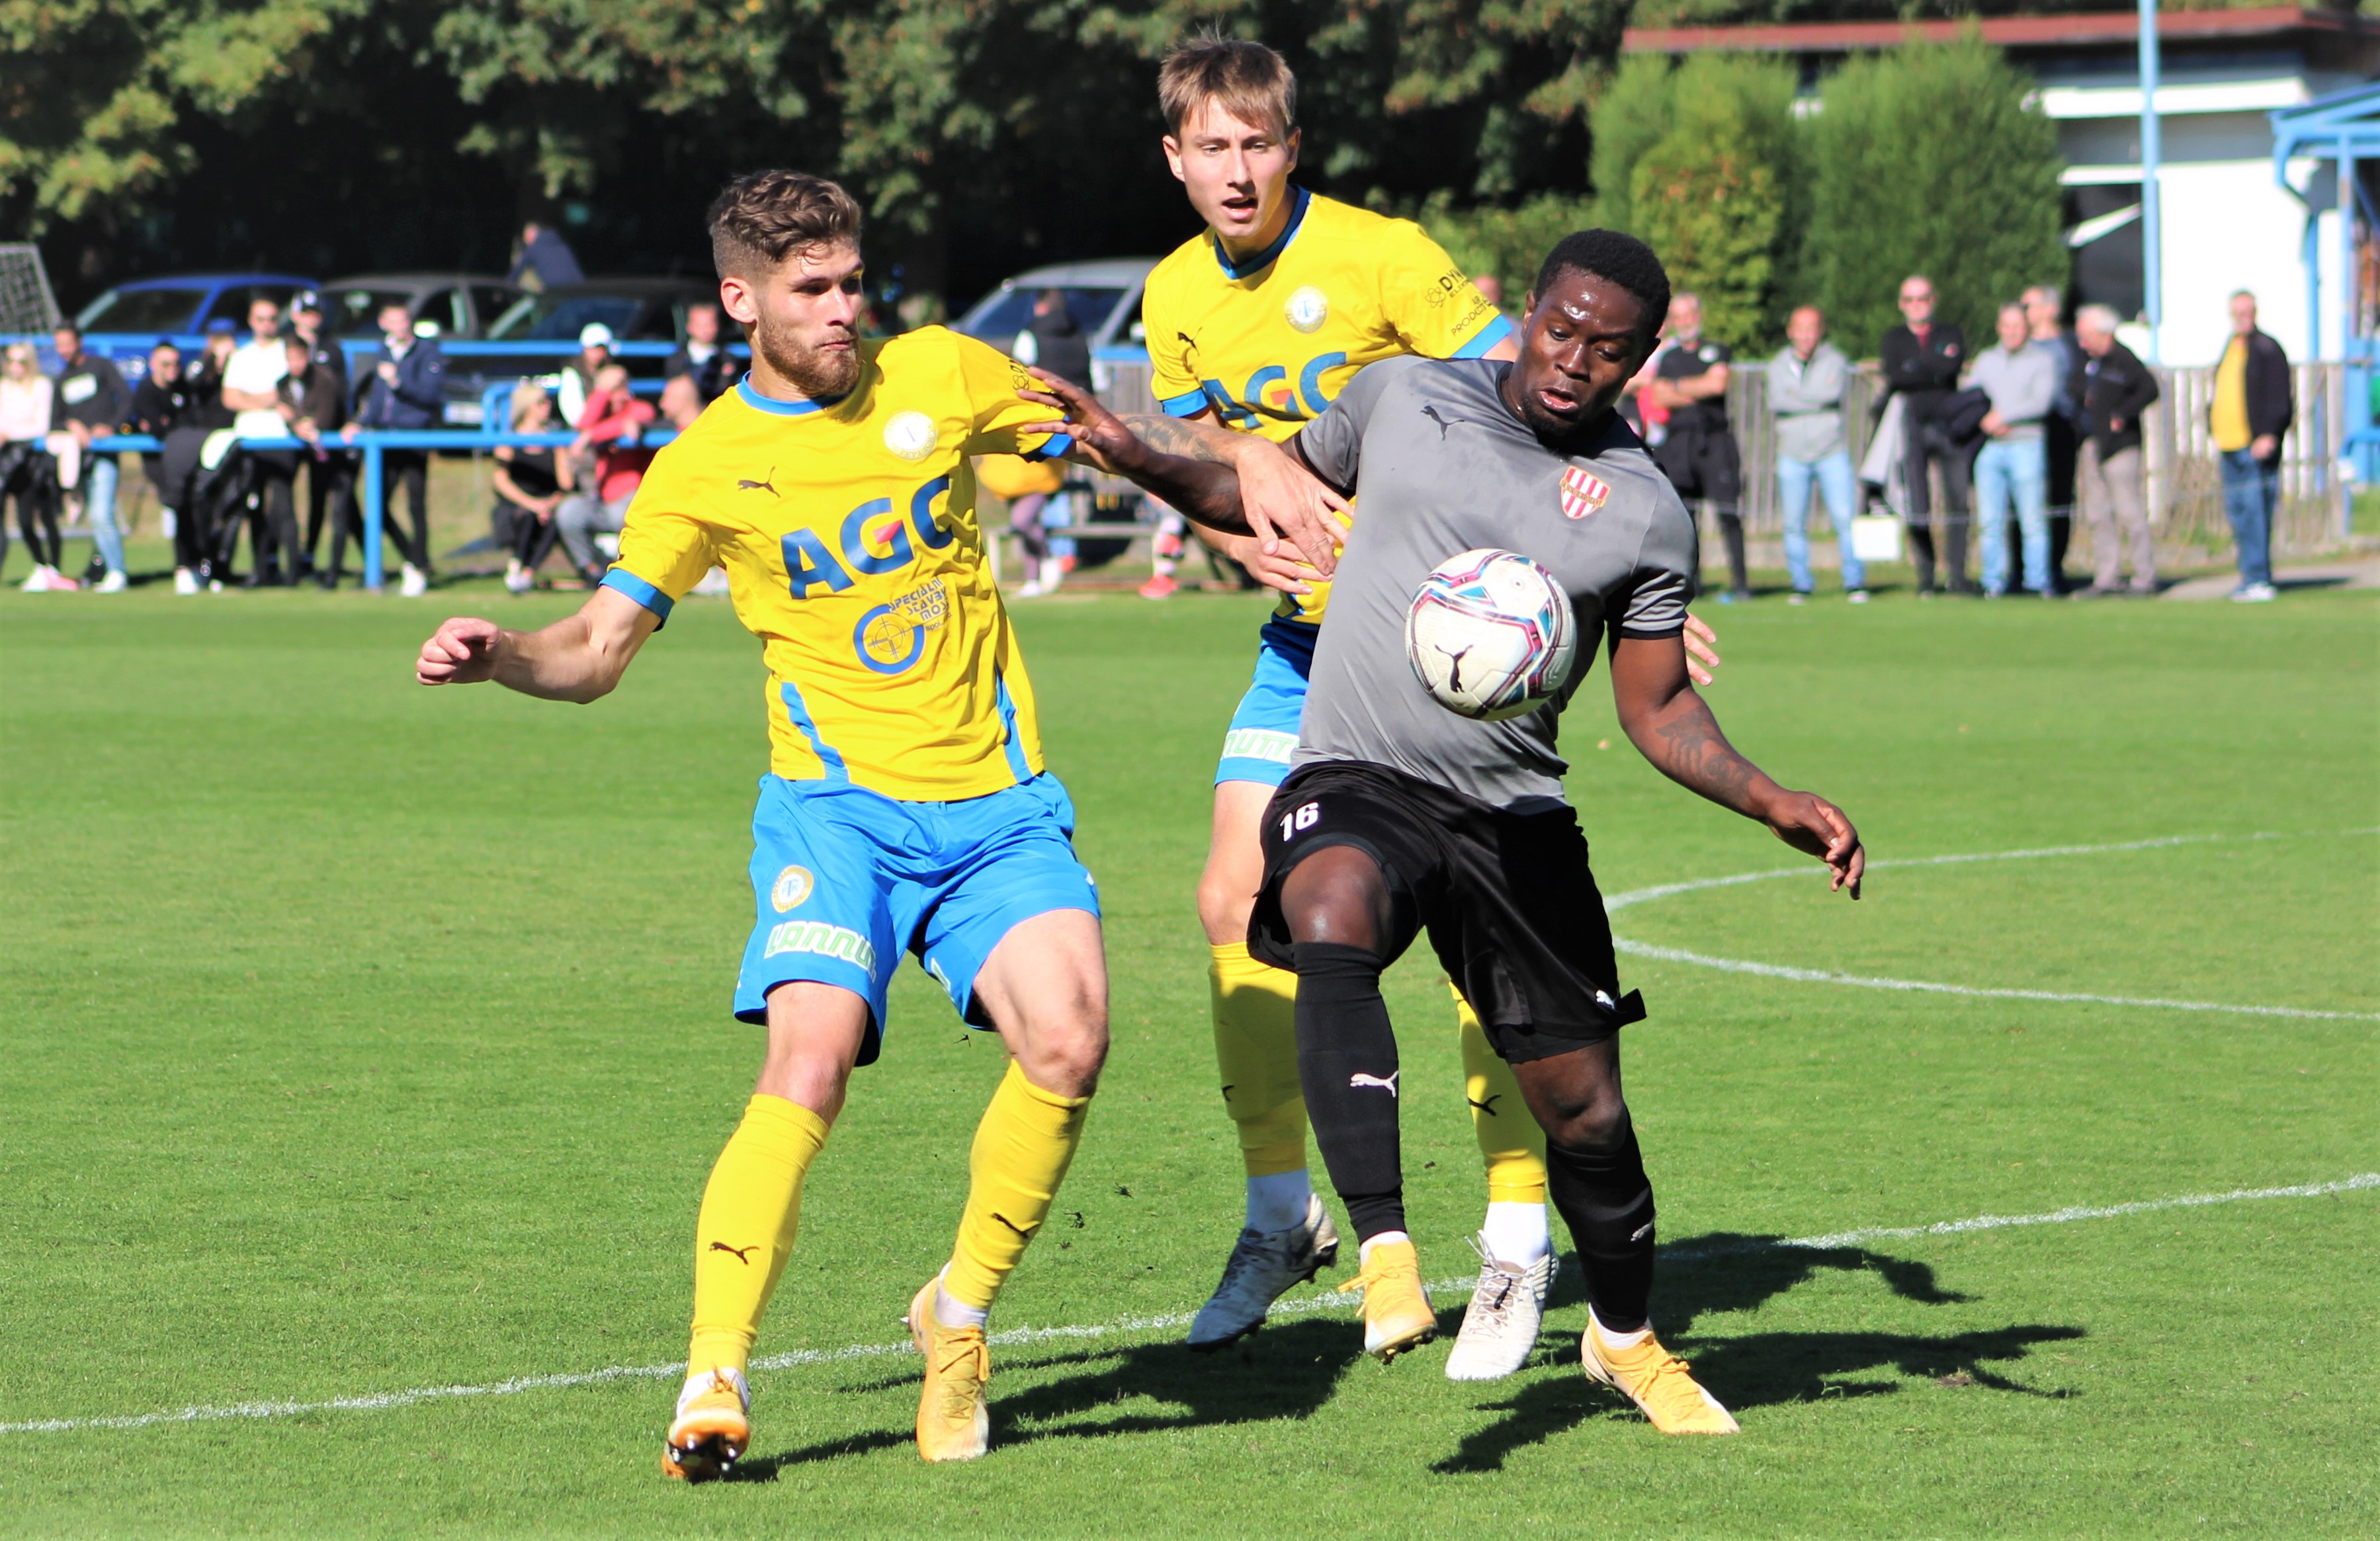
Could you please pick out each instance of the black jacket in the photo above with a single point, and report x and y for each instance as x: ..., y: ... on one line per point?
x: 90, y: 392
x: 2116, y: 387
x: 1060, y: 347
x: 1923, y: 375
x: 712, y: 378
x: 158, y: 409
x: 2272, y: 397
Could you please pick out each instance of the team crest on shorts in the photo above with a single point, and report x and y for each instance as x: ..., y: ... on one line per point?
x: 1307, y: 308
x: 1582, y: 493
x: 910, y: 436
x: 793, y: 886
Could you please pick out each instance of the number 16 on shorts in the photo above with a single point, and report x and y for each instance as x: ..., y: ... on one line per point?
x: 1305, y: 818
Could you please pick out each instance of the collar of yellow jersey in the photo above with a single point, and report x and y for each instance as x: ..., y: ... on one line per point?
x: 785, y: 408
x: 1298, y: 200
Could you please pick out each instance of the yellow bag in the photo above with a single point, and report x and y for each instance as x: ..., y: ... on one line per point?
x: 1009, y: 477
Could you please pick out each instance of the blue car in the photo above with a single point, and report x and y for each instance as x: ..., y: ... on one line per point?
x: 126, y: 321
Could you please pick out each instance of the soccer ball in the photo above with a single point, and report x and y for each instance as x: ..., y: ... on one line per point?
x: 1490, y: 634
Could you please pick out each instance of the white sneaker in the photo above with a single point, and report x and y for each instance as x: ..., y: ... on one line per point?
x: 37, y: 581
x: 1500, y: 1326
x: 416, y: 583
x: 115, y: 582
x: 1031, y: 589
x: 184, y: 580
x: 2255, y: 593
x: 1263, y: 1267
x: 520, y: 579
x: 1857, y: 596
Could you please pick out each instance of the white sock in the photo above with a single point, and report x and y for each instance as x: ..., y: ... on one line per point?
x: 1516, y: 1233
x: 1381, y: 1239
x: 949, y: 1313
x: 1623, y: 1339
x: 1278, y: 1202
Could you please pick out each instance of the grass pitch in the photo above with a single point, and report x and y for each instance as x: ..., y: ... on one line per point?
x: 362, y: 1040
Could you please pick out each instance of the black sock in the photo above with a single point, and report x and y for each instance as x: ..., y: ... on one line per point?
x: 1606, y: 1200
x: 1347, y: 1062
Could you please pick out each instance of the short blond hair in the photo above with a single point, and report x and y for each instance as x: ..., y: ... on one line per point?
x: 526, y: 395
x: 1247, y: 80
x: 759, y: 220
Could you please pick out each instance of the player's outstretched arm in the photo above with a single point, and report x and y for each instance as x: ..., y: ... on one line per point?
x: 1672, y: 727
x: 579, y: 658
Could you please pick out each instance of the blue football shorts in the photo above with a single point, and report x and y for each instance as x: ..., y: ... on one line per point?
x: 845, y: 880
x: 1264, y: 729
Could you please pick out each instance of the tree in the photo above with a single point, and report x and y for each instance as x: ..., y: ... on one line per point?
x: 1930, y: 159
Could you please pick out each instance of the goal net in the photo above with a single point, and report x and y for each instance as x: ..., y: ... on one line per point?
x: 26, y: 302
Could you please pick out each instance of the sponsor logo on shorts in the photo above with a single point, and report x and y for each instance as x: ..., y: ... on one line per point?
x: 1259, y: 743
x: 1307, y: 308
x: 910, y: 436
x: 825, y: 941
x: 1582, y: 493
x: 793, y: 886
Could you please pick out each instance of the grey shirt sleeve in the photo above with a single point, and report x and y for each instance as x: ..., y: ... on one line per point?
x: 1816, y: 387
x: 1333, y: 442
x: 1664, y: 582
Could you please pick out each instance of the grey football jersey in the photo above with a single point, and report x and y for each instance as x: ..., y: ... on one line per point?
x: 1439, y: 465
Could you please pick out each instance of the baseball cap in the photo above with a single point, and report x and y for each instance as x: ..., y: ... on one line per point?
x: 223, y: 325
x: 594, y: 335
x: 307, y: 300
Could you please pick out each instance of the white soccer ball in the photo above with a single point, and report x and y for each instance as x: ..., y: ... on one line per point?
x: 1491, y: 635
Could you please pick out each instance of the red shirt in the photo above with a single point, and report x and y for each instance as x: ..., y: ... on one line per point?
x: 606, y: 421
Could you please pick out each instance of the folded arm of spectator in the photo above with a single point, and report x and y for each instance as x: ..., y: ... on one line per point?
x: 621, y: 417
x: 1817, y: 388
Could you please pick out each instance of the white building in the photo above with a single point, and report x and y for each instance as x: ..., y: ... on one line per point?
x: 2228, y: 223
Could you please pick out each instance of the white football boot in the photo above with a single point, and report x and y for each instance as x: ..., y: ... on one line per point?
x: 1501, y: 1326
x: 1264, y: 1266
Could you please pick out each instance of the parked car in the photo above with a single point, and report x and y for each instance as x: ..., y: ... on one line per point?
x: 636, y: 310
x: 126, y: 321
x: 456, y: 305
x: 1103, y: 298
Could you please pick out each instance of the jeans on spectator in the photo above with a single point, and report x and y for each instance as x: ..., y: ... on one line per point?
x: 2018, y: 471
x: 2250, y: 491
x: 99, y: 477
x: 2112, y: 497
x: 581, y: 516
x: 1836, y: 482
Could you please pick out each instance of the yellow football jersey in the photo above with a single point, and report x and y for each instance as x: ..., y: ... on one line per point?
x: 1266, y: 344
x: 848, y: 533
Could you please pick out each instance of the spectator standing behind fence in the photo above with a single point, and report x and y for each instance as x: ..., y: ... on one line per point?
x: 2114, y: 389
x: 1051, y: 340
x: 2012, y: 467
x: 613, y: 415
x: 328, y: 473
x: 579, y: 374
x: 1806, y: 381
x: 532, y: 481
x: 319, y: 394
x: 2255, y: 402
x: 405, y: 390
x: 159, y: 404
x: 206, y: 415
x: 702, y: 358
x: 2061, y: 438
x: 1922, y: 361
x: 251, y: 388
x: 545, y: 262
x: 92, y: 403
x: 28, y: 470
x: 1697, y: 452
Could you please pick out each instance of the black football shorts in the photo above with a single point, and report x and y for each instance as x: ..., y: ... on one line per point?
x: 1509, y: 906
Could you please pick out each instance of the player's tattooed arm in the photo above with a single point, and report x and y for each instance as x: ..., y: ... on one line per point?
x: 1672, y: 727
x: 1273, y: 498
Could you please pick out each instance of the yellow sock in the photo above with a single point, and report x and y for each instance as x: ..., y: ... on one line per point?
x: 1510, y: 1141
x: 750, y: 1209
x: 1255, y: 1049
x: 1022, y: 1150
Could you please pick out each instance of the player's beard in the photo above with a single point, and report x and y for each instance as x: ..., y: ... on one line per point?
x: 818, y: 372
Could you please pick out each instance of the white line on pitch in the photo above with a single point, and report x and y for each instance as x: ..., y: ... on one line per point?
x: 386, y: 1400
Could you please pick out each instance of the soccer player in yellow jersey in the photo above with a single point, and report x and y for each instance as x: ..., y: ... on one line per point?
x: 1256, y: 324
x: 906, y: 806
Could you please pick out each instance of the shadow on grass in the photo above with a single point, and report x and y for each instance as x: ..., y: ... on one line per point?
x: 1287, y: 1371
x: 1725, y: 1272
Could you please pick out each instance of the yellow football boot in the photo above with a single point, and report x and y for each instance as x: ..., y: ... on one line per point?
x: 1655, y: 1379
x: 1396, y: 1309
x: 713, y: 1426
x: 953, y: 1414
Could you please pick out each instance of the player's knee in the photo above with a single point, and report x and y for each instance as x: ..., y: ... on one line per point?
x: 1224, y: 905
x: 1597, y: 1121
x: 1337, y: 895
x: 1066, y: 1058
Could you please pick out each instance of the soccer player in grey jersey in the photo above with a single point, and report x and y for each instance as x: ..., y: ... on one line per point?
x: 1400, y: 816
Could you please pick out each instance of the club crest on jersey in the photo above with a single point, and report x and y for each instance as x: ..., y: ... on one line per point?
x: 1582, y: 493
x: 1307, y: 308
x: 910, y: 436
x: 793, y: 887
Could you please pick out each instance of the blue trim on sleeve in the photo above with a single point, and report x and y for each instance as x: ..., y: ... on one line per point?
x: 1264, y: 259
x: 1496, y: 331
x: 751, y: 397
x: 1052, y: 448
x: 830, y: 761
x: 621, y: 580
x: 1188, y: 404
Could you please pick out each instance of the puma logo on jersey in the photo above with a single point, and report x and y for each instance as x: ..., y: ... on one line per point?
x: 1360, y: 1079
x: 1443, y: 423
x: 768, y: 484
x: 741, y: 1254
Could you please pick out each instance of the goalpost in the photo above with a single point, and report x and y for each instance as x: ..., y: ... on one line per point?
x: 26, y: 303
